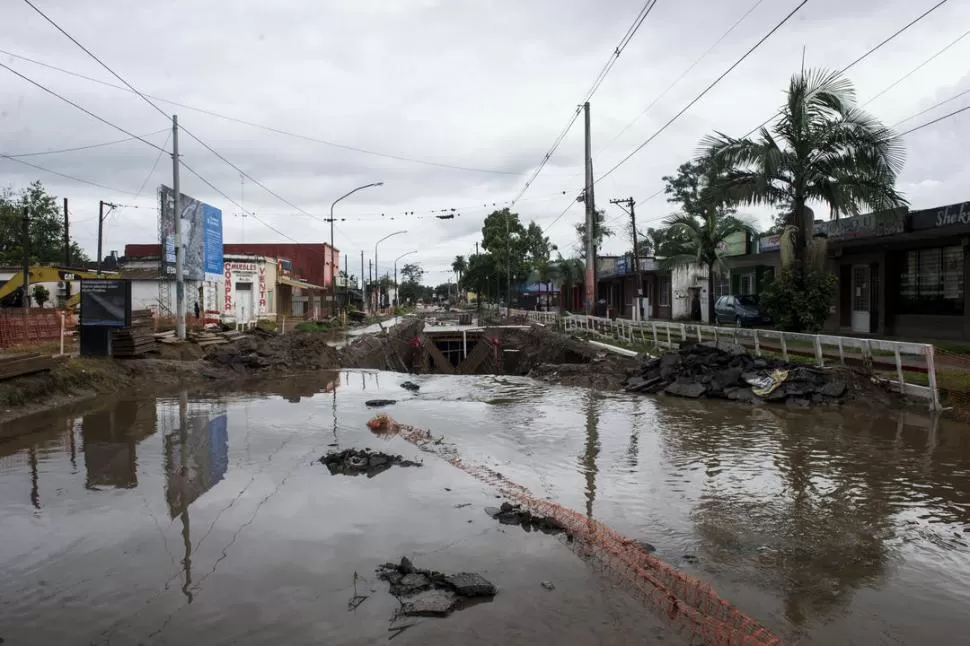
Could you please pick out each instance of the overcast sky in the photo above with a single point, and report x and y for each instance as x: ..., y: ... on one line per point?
x: 482, y: 85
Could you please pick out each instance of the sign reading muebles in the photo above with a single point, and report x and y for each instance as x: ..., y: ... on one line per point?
x: 952, y: 215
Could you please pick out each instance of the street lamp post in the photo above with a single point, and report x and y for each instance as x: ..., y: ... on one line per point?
x: 376, y: 267
x: 333, y: 267
x: 396, y: 298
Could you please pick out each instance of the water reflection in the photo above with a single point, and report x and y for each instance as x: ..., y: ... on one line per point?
x: 110, y: 438
x: 592, y: 449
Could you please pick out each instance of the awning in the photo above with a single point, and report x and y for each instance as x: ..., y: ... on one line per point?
x: 292, y: 282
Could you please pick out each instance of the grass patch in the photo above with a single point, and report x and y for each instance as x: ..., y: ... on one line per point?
x: 316, y: 326
x: 953, y: 347
x: 951, y: 380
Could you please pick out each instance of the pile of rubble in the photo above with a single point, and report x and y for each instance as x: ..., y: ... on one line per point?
x: 727, y: 371
x: 430, y: 593
x: 509, y: 514
x: 355, y: 462
x: 268, y: 352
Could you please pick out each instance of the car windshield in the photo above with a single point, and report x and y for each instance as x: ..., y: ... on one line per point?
x: 749, y: 301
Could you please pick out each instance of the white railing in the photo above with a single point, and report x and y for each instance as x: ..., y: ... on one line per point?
x: 667, y: 334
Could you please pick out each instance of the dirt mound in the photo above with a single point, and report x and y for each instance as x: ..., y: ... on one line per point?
x: 727, y: 371
x: 264, y: 353
x: 433, y: 594
x: 549, y: 356
x: 392, y: 349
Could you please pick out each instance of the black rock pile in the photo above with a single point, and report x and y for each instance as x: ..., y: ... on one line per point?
x: 356, y: 462
x: 509, y: 514
x: 430, y: 593
x: 728, y: 372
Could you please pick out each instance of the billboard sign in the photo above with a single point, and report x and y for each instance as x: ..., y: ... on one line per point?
x: 769, y: 243
x: 950, y: 216
x: 105, y: 302
x: 201, y: 236
x: 735, y: 244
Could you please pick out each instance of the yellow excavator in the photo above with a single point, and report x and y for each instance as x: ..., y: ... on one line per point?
x: 11, y: 292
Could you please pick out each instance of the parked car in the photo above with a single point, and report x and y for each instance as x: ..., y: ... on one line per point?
x: 740, y: 310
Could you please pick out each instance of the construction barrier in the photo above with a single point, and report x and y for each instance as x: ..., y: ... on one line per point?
x: 24, y: 327
x: 690, y: 604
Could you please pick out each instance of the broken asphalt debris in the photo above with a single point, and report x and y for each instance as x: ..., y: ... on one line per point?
x: 377, y: 403
x: 509, y: 514
x: 410, y: 385
x: 426, y: 593
x: 727, y: 371
x: 355, y: 462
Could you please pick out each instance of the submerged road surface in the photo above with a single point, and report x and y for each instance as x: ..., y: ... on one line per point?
x: 207, y: 519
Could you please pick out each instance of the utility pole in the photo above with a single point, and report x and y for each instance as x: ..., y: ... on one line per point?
x: 346, y: 281
x: 370, y: 279
x: 478, y: 290
x: 179, y: 259
x: 101, y: 216
x: 26, y: 243
x: 590, y: 220
x: 67, y: 243
x: 363, y: 285
x: 508, y: 265
x: 631, y: 211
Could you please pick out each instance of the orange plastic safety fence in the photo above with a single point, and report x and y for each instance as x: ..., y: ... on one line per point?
x: 682, y: 598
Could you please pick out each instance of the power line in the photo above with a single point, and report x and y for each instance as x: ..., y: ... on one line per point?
x: 937, y: 120
x: 65, y: 176
x: 932, y: 107
x: 917, y: 68
x: 597, y: 82
x: 265, y: 127
x: 684, y: 74
x: 154, y: 166
x: 234, y: 202
x: 87, y: 147
x: 79, y: 107
x: 705, y: 91
x: 863, y: 57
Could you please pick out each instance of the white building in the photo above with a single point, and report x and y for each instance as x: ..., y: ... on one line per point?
x: 248, y: 290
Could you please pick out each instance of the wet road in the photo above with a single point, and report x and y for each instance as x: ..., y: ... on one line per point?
x: 121, y: 526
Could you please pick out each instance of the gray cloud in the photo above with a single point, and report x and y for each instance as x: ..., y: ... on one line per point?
x: 457, y: 82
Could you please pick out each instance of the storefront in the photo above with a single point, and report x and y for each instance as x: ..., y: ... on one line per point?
x: 248, y: 289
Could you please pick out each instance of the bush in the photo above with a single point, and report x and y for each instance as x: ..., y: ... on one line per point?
x: 799, y: 300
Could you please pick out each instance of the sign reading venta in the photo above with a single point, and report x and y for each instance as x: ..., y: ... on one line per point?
x: 952, y: 215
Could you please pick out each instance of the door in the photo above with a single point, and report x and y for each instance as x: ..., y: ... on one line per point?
x: 861, y: 299
x: 244, y: 303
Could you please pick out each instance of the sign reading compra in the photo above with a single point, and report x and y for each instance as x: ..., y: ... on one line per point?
x: 105, y: 303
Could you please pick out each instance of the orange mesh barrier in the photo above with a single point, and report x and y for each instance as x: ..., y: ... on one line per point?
x: 18, y: 327
x: 689, y: 603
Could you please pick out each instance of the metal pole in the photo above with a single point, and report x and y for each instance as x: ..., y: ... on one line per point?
x: 590, y: 216
x: 363, y: 285
x: 26, y: 259
x: 370, y: 279
x: 333, y: 266
x: 346, y: 279
x: 179, y: 252
x: 100, y: 232
x: 67, y: 240
x: 394, y: 304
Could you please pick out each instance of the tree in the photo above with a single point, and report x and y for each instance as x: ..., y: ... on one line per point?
x: 41, y: 295
x: 46, y: 229
x: 823, y: 148
x: 600, y: 232
x: 571, y: 272
x: 699, y: 233
x: 459, y: 266
x: 481, y: 275
x: 412, y: 272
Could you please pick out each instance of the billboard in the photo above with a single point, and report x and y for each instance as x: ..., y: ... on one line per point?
x: 105, y: 302
x: 201, y: 237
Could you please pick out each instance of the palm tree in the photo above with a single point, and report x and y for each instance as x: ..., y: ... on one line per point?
x: 459, y: 266
x: 823, y: 148
x: 703, y: 241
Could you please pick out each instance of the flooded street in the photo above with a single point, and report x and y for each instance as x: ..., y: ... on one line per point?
x: 124, y: 525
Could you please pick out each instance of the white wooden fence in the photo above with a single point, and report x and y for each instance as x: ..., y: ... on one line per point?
x: 667, y: 334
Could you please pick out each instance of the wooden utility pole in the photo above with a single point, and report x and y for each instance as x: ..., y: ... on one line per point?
x: 631, y: 211
x: 363, y: 286
x: 590, y: 221
x: 179, y: 249
x: 67, y: 242
x: 26, y: 244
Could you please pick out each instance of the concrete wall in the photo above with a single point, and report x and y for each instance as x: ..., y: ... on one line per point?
x: 682, y: 279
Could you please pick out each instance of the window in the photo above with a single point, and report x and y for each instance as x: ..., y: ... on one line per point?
x: 747, y: 283
x: 931, y: 281
x: 722, y: 284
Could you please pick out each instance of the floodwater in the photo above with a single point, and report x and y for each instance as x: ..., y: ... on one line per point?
x: 205, y: 519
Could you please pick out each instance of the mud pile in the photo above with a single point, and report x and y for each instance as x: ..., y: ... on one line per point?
x: 394, y: 349
x: 547, y: 355
x: 356, y: 462
x: 272, y: 353
x: 729, y: 372
x: 430, y: 593
x: 509, y: 514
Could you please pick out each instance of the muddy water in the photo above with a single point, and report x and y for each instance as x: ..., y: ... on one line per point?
x: 130, y: 526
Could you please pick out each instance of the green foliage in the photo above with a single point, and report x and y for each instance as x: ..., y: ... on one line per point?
x: 600, y: 232
x: 46, y: 228
x: 414, y: 292
x: 798, y: 300
x: 317, y: 326
x: 40, y: 295
x: 823, y: 148
x: 412, y: 272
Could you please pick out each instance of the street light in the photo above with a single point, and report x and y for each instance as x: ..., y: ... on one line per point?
x: 333, y: 268
x: 395, y: 276
x: 377, y: 267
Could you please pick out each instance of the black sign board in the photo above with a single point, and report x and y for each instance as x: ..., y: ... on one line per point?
x: 944, y: 217
x: 105, y: 302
